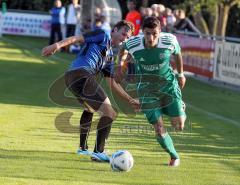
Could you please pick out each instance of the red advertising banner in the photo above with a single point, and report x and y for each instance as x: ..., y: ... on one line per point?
x: 198, y: 55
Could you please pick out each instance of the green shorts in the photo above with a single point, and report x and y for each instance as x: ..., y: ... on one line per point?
x: 173, y: 109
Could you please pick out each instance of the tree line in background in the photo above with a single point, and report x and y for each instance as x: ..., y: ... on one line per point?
x: 214, y: 17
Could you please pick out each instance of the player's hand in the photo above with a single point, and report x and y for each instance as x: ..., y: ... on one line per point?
x: 135, y: 104
x: 181, y: 81
x: 50, y: 50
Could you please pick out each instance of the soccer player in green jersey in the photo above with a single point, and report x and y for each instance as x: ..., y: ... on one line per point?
x: 158, y: 87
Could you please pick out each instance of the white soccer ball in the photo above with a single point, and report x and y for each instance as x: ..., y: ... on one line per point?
x: 121, y: 160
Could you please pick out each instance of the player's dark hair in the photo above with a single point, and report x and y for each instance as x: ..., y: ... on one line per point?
x: 151, y: 22
x: 126, y: 24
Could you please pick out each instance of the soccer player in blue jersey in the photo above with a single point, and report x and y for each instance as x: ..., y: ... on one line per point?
x: 95, y: 56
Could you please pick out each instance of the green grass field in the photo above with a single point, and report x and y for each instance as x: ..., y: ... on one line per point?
x: 34, y: 151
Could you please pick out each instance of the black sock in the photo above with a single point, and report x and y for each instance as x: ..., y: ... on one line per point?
x: 103, y: 130
x: 85, y: 125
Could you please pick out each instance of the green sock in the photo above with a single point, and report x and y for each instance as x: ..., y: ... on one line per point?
x: 167, y: 144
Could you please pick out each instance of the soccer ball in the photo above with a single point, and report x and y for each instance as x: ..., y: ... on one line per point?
x: 121, y: 160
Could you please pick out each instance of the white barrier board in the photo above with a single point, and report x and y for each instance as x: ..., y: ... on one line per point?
x: 227, y: 62
x: 26, y: 24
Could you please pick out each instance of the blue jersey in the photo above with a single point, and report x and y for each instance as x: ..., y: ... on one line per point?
x: 55, y: 13
x: 95, y: 54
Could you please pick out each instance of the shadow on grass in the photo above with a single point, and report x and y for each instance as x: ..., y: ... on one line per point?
x: 207, y: 137
x: 59, y: 166
x: 27, y: 83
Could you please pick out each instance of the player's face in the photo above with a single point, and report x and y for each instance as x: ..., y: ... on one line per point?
x: 119, y: 36
x: 58, y: 3
x: 131, y: 6
x: 75, y: 2
x: 151, y: 36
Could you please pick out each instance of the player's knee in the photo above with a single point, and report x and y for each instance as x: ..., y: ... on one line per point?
x: 107, y: 110
x: 175, y: 122
x: 110, y: 112
x: 159, y: 129
x: 113, y: 114
x: 178, y: 122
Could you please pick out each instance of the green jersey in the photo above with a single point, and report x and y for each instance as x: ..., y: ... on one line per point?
x: 155, y: 74
x: 153, y: 60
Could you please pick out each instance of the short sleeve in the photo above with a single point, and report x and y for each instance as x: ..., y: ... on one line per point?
x: 124, y: 46
x: 176, y: 46
x: 97, y: 36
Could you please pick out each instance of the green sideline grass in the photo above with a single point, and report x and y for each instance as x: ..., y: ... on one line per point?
x: 34, y: 150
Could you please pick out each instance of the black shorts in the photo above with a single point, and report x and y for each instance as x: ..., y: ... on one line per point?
x: 85, y: 87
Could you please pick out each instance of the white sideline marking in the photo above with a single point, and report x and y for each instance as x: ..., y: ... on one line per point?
x: 213, y: 115
x: 210, y: 114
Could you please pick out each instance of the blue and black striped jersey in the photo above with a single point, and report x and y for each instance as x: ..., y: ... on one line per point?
x: 95, y: 54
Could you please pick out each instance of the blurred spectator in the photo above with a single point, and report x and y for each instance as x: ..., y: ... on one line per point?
x: 133, y: 15
x: 105, y: 24
x: 55, y: 22
x: 142, y: 12
x: 72, y: 11
x: 170, y: 19
x: 78, y: 10
x: 97, y: 13
x: 62, y: 19
x: 175, y: 13
x: 155, y: 14
x: 160, y: 8
x: 154, y: 7
x: 100, y: 20
x: 148, y: 12
x: 183, y: 23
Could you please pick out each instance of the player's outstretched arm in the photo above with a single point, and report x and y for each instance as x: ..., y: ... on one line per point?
x: 179, y: 65
x: 116, y: 87
x: 51, y: 49
x: 121, y: 64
